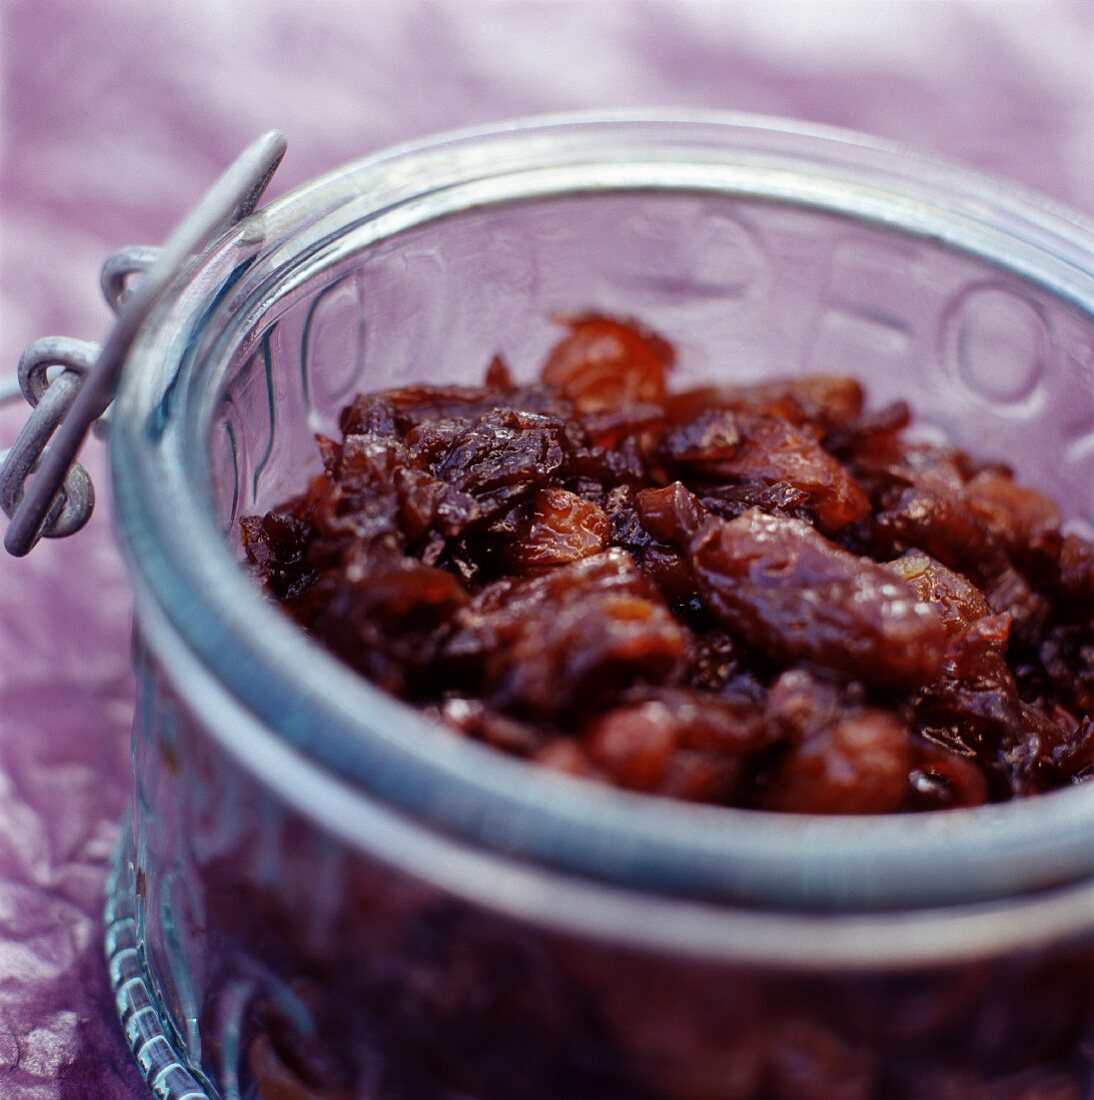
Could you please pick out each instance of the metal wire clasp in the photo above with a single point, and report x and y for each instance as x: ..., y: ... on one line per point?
x: 43, y: 489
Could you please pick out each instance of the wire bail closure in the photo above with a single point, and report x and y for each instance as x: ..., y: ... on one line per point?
x: 44, y: 491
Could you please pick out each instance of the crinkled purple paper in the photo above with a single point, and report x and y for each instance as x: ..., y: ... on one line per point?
x: 116, y: 117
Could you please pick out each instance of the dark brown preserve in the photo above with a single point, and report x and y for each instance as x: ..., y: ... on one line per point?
x: 750, y: 595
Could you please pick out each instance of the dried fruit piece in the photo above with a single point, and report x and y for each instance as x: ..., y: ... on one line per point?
x: 788, y: 591
x: 822, y: 401
x: 871, y: 438
x: 276, y: 545
x: 588, y: 574
x: 568, y: 640
x: 475, y: 719
x: 777, y: 499
x: 940, y: 779
x: 733, y: 446
x: 560, y: 527
x: 1026, y: 520
x: 857, y: 765
x: 678, y: 744
x: 672, y: 514
x: 1075, y: 580
x: 704, y: 443
x: 974, y: 708
x: 939, y: 523
x: 609, y: 427
x: 958, y: 601
x: 844, y: 757
x: 607, y: 363
x: 502, y: 448
x: 385, y: 614
x: 369, y: 413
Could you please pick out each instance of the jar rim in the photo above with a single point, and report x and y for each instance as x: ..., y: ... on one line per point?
x: 302, y: 696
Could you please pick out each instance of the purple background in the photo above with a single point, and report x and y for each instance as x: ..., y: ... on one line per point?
x: 117, y: 115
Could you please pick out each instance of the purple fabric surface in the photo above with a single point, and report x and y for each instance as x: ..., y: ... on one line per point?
x: 117, y: 115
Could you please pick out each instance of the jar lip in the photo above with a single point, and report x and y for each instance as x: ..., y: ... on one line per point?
x: 976, y: 179
x: 1054, y: 224
x: 308, y: 699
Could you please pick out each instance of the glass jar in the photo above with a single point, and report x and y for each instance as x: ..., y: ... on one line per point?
x: 319, y: 893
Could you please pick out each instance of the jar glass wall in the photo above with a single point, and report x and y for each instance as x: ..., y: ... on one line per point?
x: 323, y: 890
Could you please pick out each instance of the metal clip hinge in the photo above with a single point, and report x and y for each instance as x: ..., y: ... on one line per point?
x: 43, y: 489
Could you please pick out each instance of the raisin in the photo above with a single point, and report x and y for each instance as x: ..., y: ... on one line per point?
x: 661, y: 562
x: 475, y: 719
x: 678, y: 744
x: 940, y: 524
x: 770, y: 451
x: 606, y: 363
x: 958, y: 601
x: 560, y: 527
x: 721, y: 664
x: 369, y: 413
x: 758, y: 595
x: 498, y: 375
x: 500, y: 449
x: 1066, y: 652
x: 1075, y: 579
x: 416, y: 405
x: 384, y: 614
x: 702, y: 444
x: 872, y: 437
x: 974, y: 707
x: 823, y: 401
x: 609, y: 427
x: 1009, y: 592
x: 569, y: 639
x: 943, y: 780
x: 1065, y: 745
x: 843, y: 758
x: 1026, y: 520
x: 276, y: 545
x: 672, y: 514
x: 794, y: 595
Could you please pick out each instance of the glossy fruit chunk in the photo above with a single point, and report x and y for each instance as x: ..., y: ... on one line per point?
x: 758, y: 594
x: 605, y: 363
x: 795, y: 596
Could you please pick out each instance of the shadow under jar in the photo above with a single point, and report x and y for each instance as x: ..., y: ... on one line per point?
x: 321, y: 894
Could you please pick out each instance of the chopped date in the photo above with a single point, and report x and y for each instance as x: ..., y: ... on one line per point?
x: 759, y: 594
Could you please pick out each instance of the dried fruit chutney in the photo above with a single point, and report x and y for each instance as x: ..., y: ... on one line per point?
x: 751, y: 595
